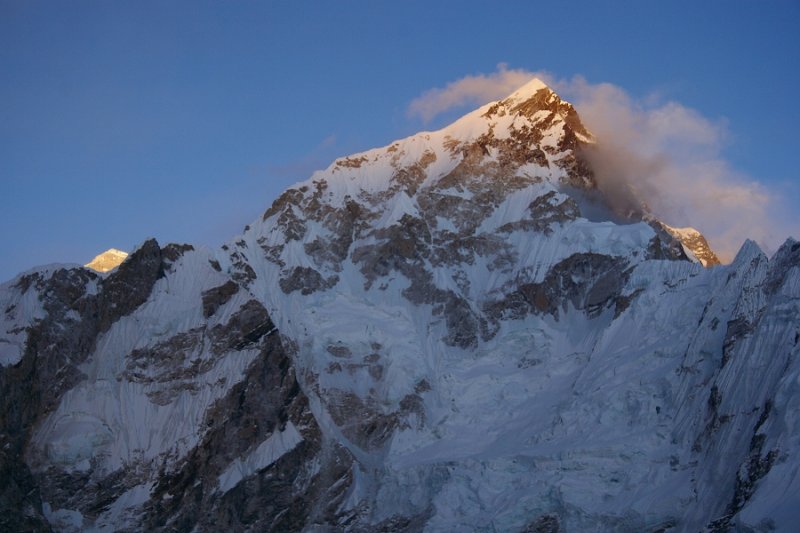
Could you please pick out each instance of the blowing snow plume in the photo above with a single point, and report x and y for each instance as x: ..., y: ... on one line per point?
x: 661, y: 156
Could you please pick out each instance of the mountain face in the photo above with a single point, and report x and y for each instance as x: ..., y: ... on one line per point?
x: 444, y: 334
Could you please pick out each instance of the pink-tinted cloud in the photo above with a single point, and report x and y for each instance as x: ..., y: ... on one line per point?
x: 469, y: 90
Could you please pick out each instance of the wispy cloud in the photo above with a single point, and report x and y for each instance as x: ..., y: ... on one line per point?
x: 648, y: 151
x: 299, y: 169
x: 469, y: 90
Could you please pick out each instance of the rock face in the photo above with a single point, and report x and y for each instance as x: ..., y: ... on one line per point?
x: 424, y: 337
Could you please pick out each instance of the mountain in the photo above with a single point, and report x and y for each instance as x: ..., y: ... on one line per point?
x: 108, y: 260
x: 694, y: 243
x: 449, y: 333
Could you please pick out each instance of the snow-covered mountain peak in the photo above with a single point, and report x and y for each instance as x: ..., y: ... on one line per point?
x: 428, y: 336
x: 532, y: 136
x: 528, y: 90
x: 432, y: 248
x: 108, y: 260
x: 694, y: 243
x: 495, y: 173
x: 749, y: 252
x: 532, y: 126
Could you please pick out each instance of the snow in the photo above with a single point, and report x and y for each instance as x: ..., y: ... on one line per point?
x: 20, y: 310
x: 602, y: 418
x: 527, y: 90
x: 63, y: 520
x: 269, y: 451
x: 683, y: 233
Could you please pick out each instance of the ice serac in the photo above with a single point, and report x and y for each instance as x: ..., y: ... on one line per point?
x: 429, y: 336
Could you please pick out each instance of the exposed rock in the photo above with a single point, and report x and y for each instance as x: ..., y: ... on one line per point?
x: 241, y: 271
x: 285, y: 201
x: 306, y: 280
x: 90, y: 492
x: 351, y: 162
x: 362, y: 422
x: 622, y: 302
x: 172, y: 252
x: 545, y: 211
x: 214, y: 298
x: 737, y: 329
x: 547, y: 523
x: 665, y: 247
x: 129, y: 287
x: 409, y: 178
x: 339, y: 351
x: 587, y: 281
x: 785, y: 259
x: 20, y: 501
x: 246, y: 328
x: 399, y: 248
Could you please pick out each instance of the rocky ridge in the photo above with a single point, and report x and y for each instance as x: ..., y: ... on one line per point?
x: 426, y: 336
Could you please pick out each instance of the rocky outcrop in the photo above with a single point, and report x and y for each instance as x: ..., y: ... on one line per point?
x: 586, y: 282
x: 214, y: 298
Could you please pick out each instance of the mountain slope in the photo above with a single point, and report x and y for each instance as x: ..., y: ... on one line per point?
x: 426, y: 336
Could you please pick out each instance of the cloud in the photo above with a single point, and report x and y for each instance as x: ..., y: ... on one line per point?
x: 669, y: 158
x: 299, y: 169
x: 469, y: 90
x: 651, y: 152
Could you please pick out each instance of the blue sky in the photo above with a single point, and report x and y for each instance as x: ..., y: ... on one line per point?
x: 184, y: 120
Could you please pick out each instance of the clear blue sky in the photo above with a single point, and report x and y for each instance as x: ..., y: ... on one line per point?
x: 184, y: 120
